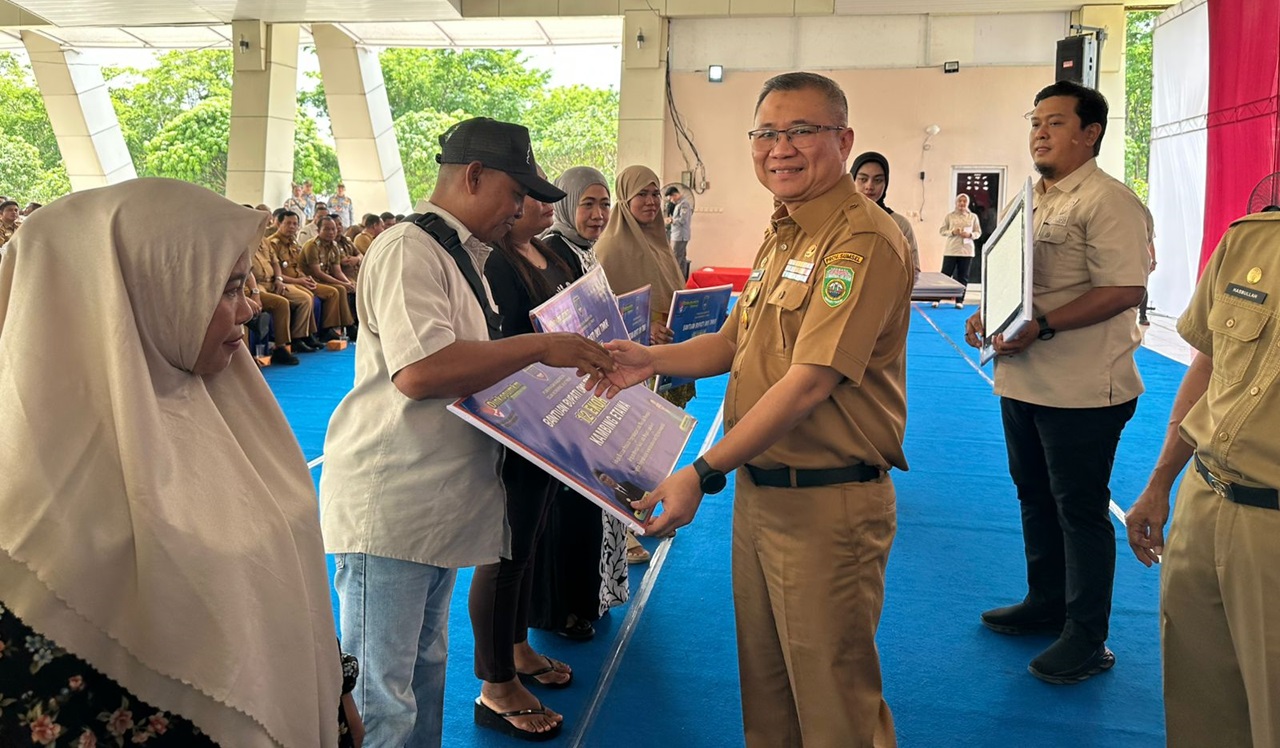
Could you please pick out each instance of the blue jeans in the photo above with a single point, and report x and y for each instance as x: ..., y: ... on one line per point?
x: 382, y: 603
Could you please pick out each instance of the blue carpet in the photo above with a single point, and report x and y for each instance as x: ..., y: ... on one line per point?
x: 949, y: 681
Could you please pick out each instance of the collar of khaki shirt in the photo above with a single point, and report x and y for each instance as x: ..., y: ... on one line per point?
x: 1070, y: 182
x: 811, y: 216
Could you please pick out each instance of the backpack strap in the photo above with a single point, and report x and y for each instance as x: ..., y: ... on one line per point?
x: 447, y: 237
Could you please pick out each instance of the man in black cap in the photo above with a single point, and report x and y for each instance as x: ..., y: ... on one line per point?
x: 410, y: 493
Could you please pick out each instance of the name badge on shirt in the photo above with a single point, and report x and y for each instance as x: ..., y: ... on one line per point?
x: 756, y: 275
x: 1248, y: 294
x: 798, y: 270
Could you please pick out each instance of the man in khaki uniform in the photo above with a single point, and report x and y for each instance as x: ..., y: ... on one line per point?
x: 372, y: 227
x: 814, y: 419
x: 1068, y: 384
x: 1218, y: 590
x: 8, y: 220
x: 334, y: 309
x: 292, y: 314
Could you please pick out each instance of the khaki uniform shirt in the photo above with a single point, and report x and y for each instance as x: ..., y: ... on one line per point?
x: 261, y: 268
x: 831, y: 287
x: 325, y: 254
x: 6, y: 232
x: 288, y: 254
x: 403, y: 478
x: 1090, y: 232
x: 1232, y: 317
x: 362, y: 241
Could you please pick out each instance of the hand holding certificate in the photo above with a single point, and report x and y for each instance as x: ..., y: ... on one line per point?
x: 1006, y: 281
x: 612, y: 451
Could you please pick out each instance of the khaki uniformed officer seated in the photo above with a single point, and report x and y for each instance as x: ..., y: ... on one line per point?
x: 814, y: 417
x: 1218, y: 593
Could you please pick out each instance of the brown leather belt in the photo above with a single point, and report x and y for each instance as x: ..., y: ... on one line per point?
x: 1263, y: 498
x: 785, y: 477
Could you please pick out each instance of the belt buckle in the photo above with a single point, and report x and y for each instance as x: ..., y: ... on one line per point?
x: 1219, y: 487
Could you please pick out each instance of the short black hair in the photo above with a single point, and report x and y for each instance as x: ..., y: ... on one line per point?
x: 801, y: 81
x: 399, y: 217
x: 1091, y: 105
x: 7, y: 203
x: 371, y: 219
x: 671, y: 191
x: 285, y: 214
x: 388, y: 216
x: 322, y: 206
x: 277, y: 213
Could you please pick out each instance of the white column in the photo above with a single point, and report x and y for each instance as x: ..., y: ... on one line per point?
x: 368, y: 154
x: 642, y: 93
x: 264, y: 93
x: 80, y: 110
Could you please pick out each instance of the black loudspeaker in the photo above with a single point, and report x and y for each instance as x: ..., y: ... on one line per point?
x: 1077, y: 60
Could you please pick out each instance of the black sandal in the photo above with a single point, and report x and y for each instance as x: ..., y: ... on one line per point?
x: 486, y: 717
x: 550, y: 668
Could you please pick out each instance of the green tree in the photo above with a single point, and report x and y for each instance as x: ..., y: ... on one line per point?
x: 418, y: 136
x: 575, y: 126
x: 24, y: 176
x: 193, y: 145
x: 1137, y: 80
x: 147, y: 100
x: 313, y: 158
x: 22, y: 114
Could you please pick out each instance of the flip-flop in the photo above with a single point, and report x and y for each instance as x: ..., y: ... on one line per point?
x: 486, y: 717
x: 550, y: 668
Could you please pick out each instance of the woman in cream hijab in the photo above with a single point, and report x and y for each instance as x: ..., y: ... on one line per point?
x: 160, y: 545
x: 634, y: 249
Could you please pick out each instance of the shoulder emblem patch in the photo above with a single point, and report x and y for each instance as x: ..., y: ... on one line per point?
x: 832, y: 259
x: 837, y: 282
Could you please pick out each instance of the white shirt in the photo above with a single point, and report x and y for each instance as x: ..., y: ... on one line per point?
x: 404, y: 478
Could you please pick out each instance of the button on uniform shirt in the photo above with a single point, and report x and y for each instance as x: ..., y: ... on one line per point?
x: 1233, y: 318
x: 320, y: 252
x: 404, y: 478
x: 831, y: 287
x: 289, y: 254
x: 1090, y: 232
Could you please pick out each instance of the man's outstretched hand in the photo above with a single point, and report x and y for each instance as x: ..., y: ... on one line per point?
x: 633, y: 364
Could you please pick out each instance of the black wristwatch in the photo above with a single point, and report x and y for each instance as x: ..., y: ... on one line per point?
x: 1046, y: 332
x: 713, y: 480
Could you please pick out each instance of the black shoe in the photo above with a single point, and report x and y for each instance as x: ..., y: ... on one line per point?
x: 301, y: 346
x: 281, y: 355
x: 1069, y: 661
x: 1023, y: 619
x: 330, y: 333
x: 580, y: 630
x: 314, y: 342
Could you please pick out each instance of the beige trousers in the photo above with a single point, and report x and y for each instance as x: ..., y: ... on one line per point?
x: 808, y: 586
x: 1220, y: 622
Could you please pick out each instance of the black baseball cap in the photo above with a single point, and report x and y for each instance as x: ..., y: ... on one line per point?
x: 498, y: 145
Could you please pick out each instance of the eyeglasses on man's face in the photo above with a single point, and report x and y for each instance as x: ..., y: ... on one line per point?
x: 800, y: 136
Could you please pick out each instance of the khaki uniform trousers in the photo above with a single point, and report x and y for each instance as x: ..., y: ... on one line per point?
x: 299, y: 297
x: 288, y: 321
x: 808, y: 586
x: 334, y: 307
x: 1220, y: 622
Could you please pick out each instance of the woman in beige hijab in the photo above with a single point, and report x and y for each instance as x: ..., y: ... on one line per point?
x: 634, y: 253
x: 160, y: 544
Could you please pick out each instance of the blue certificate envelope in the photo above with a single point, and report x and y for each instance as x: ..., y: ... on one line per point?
x: 635, y: 313
x: 612, y: 451
x: 694, y: 312
x: 586, y: 307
